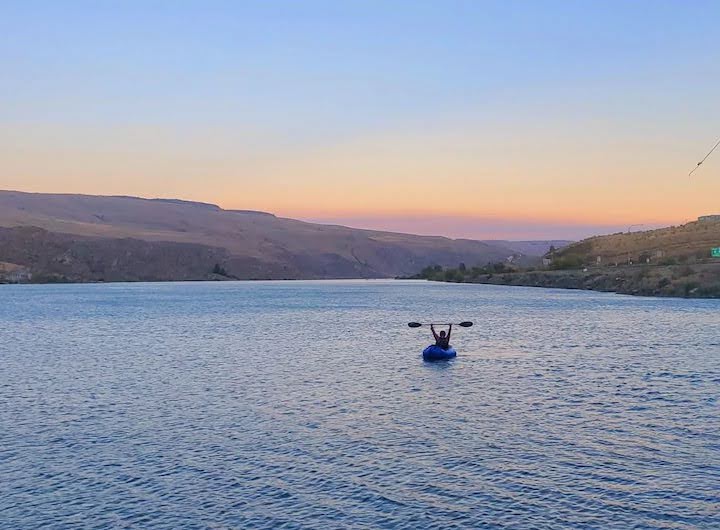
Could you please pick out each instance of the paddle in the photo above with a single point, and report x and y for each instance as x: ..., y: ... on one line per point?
x: 418, y: 324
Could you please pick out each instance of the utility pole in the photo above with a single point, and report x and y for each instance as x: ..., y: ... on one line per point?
x: 630, y: 227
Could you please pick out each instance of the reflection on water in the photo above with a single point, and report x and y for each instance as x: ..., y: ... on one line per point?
x: 307, y: 404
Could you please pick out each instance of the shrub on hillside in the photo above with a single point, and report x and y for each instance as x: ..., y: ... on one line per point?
x: 451, y: 275
x: 567, y: 262
x: 217, y: 269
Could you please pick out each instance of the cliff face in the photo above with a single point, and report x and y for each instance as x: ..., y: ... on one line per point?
x: 50, y: 257
x: 88, y: 238
x: 34, y: 254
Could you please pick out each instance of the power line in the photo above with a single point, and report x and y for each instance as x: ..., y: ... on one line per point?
x: 707, y: 155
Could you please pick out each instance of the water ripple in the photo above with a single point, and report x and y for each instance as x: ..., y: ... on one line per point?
x: 306, y: 405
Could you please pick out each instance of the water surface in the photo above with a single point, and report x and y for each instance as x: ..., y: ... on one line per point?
x: 307, y: 405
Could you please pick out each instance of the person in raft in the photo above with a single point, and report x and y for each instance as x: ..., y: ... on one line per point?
x: 442, y: 340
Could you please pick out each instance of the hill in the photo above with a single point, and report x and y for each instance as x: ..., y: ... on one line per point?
x: 533, y: 248
x: 688, y: 243
x: 63, y: 237
x: 673, y: 261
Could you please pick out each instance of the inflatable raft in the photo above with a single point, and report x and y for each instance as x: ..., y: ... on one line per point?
x: 436, y: 353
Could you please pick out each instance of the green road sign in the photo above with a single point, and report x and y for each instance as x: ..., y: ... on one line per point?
x: 715, y: 252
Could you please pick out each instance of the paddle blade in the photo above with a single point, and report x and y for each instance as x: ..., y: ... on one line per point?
x: 414, y: 324
x: 466, y: 324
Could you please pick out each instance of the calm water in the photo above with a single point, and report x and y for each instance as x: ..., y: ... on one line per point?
x: 307, y: 405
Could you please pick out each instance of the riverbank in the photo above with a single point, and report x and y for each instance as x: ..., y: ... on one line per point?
x: 686, y: 281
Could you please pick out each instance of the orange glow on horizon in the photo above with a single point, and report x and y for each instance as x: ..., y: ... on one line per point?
x: 459, y: 170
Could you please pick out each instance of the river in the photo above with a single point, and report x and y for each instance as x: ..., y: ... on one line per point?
x: 308, y: 405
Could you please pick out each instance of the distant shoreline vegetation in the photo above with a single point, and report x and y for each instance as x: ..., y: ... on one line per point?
x: 461, y: 273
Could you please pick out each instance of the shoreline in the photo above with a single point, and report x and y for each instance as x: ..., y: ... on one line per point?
x: 201, y: 280
x: 677, y: 281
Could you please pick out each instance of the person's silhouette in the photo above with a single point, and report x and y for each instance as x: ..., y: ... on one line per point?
x: 442, y: 339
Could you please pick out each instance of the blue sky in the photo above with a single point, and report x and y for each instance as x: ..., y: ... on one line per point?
x: 270, y: 104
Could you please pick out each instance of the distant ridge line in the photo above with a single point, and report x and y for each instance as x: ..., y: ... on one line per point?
x: 179, y: 202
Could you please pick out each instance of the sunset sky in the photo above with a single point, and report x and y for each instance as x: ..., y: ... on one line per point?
x: 509, y: 119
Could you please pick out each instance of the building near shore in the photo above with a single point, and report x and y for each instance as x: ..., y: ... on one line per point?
x: 19, y: 276
x: 705, y: 218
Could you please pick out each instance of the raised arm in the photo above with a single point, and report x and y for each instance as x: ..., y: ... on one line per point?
x: 449, y: 332
x: 432, y: 328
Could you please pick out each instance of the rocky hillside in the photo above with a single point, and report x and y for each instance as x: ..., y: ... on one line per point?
x: 700, y: 280
x: 49, y: 237
x: 688, y: 243
x: 674, y: 261
x: 534, y: 248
